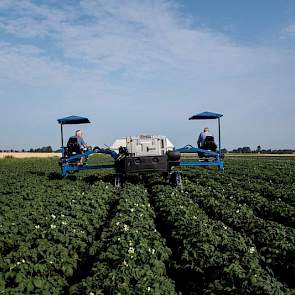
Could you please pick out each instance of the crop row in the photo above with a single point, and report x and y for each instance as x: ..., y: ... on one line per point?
x: 131, y: 254
x: 268, y: 171
x: 274, y: 210
x: 277, y: 192
x: 276, y: 243
x: 272, y: 179
x: 209, y: 257
x: 46, y: 231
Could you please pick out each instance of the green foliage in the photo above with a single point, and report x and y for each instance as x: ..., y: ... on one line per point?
x: 227, y: 233
x: 131, y: 253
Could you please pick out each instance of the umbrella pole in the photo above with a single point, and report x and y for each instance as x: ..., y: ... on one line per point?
x: 62, y: 139
x: 219, y: 139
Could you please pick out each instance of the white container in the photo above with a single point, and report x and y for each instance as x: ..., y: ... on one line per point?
x: 145, y: 145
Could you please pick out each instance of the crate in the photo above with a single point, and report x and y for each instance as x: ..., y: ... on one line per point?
x: 147, y: 145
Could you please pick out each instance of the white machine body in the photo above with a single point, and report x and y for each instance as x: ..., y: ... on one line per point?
x: 145, y: 145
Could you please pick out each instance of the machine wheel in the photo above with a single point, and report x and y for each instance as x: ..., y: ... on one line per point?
x: 118, y: 181
x: 176, y: 180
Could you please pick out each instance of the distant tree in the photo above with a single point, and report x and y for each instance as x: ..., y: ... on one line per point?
x: 258, y: 150
x: 44, y: 149
x: 23, y: 150
x: 224, y: 151
x: 245, y: 149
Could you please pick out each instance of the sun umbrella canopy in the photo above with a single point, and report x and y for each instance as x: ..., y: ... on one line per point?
x: 73, y: 120
x: 205, y: 116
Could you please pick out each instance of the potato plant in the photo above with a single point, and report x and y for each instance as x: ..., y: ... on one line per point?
x: 276, y: 243
x: 211, y: 257
x: 227, y: 233
x: 131, y: 253
x: 45, y: 232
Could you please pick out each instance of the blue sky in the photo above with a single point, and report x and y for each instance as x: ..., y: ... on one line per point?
x: 139, y: 66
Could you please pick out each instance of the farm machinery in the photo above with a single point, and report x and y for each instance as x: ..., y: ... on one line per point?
x: 140, y: 155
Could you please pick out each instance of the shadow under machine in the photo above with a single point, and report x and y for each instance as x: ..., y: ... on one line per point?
x: 141, y: 154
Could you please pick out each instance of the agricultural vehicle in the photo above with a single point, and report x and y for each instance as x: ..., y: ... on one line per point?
x: 141, y: 155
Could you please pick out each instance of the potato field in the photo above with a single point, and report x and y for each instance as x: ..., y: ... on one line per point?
x: 227, y: 233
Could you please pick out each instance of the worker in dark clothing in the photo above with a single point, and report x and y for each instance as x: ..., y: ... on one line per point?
x: 206, y: 142
x: 202, y: 137
x: 76, y: 144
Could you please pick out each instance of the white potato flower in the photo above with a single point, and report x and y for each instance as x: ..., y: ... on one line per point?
x: 131, y: 250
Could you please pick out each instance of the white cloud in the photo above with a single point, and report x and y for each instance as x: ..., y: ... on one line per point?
x: 138, y: 54
x: 289, y: 30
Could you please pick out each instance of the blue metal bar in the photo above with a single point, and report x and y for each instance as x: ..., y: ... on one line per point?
x: 192, y: 149
x: 113, y: 154
x: 66, y: 168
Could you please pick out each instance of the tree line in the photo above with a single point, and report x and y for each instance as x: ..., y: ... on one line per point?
x: 258, y: 150
x: 239, y: 150
x: 44, y: 149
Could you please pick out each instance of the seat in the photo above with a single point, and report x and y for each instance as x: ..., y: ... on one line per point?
x: 73, y: 147
x: 209, y: 144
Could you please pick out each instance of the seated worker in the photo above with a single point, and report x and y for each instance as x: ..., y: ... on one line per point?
x: 206, y: 141
x: 80, y: 140
x: 202, y: 137
x: 76, y: 144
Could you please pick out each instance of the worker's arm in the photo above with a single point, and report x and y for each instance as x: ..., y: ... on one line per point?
x: 83, y: 143
x: 200, y: 139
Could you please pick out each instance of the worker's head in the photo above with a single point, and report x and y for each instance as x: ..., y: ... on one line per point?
x: 206, y: 129
x: 78, y: 133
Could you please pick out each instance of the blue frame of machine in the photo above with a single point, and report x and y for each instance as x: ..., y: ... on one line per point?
x: 69, y: 164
